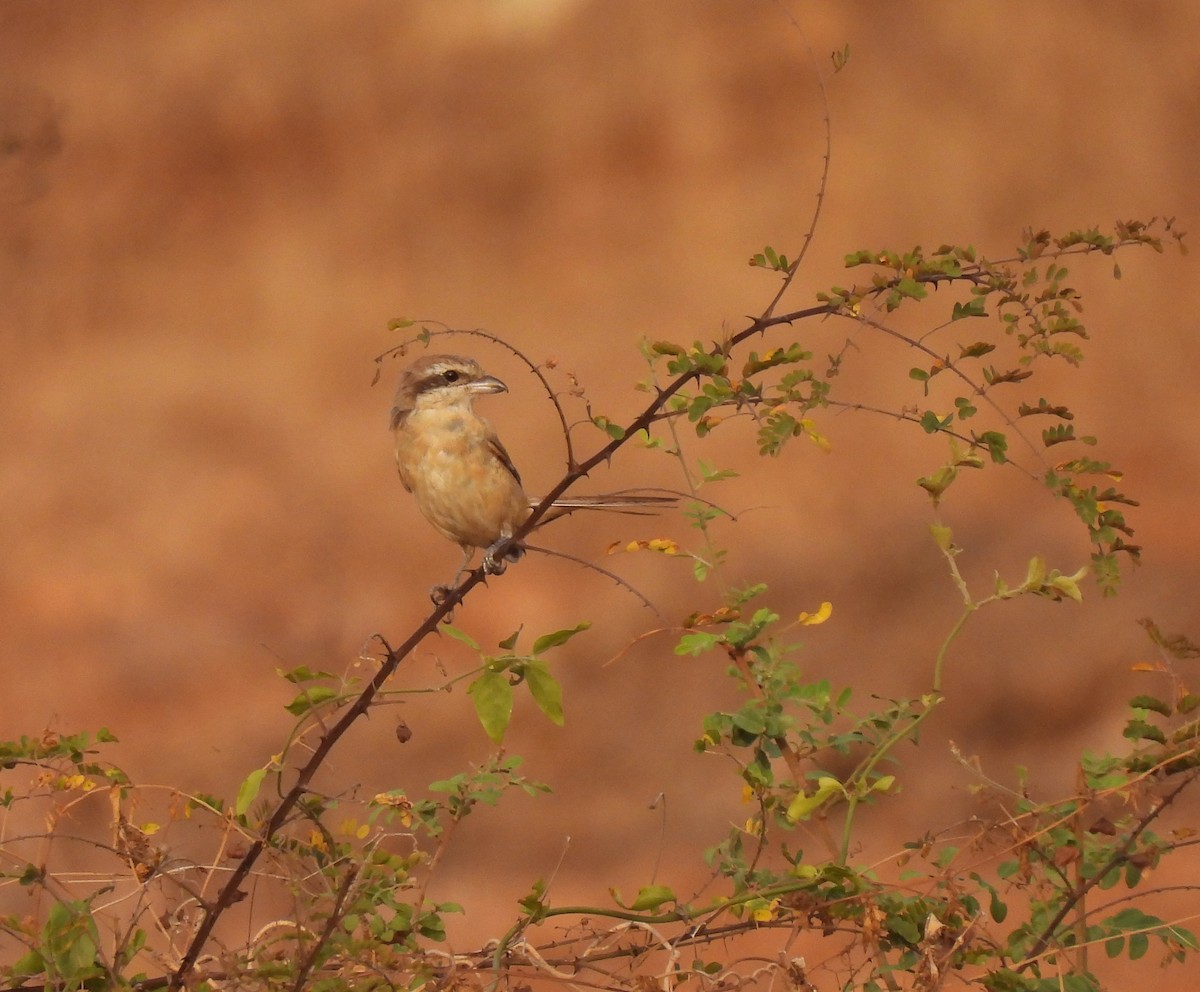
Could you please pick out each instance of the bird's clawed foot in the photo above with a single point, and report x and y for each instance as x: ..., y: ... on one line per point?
x: 439, y: 595
x: 494, y: 564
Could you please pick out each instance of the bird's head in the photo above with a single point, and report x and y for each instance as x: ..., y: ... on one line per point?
x: 441, y: 380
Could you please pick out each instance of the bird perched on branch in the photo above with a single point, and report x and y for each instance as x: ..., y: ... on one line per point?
x: 453, y: 463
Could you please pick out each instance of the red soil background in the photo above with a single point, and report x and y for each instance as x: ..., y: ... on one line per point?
x: 212, y: 210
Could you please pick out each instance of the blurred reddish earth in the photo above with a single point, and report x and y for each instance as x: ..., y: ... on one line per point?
x: 211, y: 211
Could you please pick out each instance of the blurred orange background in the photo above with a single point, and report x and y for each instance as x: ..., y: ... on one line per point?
x: 212, y: 210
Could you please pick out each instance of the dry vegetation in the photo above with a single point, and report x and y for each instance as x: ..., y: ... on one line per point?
x: 211, y: 211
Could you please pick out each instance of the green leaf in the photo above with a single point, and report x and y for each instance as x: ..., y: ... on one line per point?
x: 493, y: 699
x: 533, y: 904
x: 648, y: 897
x: 668, y: 348
x: 78, y: 959
x: 248, y: 790
x: 697, y: 642
x: 883, y: 783
x: 1035, y: 572
x: 1150, y: 703
x: 1058, y: 434
x: 903, y: 928
x: 1140, y: 730
x: 803, y: 806
x: 29, y: 964
x: 939, y: 482
x: 909, y: 287
x: 615, y: 431
x: 710, y: 473
x: 976, y: 350
x: 975, y: 308
x: 997, y: 445
x: 546, y: 692
x: 547, y: 641
x: 430, y: 925
x: 931, y: 423
x: 1067, y: 585
x: 459, y: 635
x: 310, y: 698
x: 303, y: 674
x: 941, y: 536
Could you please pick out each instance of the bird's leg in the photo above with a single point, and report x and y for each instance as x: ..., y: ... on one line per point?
x: 439, y: 593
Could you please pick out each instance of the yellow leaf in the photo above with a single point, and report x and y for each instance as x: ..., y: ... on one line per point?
x: 393, y: 798
x: 663, y: 545
x: 822, y: 614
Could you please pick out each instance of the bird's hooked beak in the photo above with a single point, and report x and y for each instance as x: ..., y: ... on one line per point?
x: 488, y: 384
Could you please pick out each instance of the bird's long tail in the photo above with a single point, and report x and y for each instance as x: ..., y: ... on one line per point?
x: 638, y: 502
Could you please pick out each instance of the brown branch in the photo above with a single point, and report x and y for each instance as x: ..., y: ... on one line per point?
x: 229, y: 892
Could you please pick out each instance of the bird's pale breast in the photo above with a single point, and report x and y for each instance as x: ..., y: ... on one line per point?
x: 461, y: 487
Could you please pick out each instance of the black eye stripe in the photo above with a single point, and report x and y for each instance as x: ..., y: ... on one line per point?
x: 439, y: 378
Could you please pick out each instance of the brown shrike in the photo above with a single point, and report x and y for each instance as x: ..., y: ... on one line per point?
x: 454, y: 465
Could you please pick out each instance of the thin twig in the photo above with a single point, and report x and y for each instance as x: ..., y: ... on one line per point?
x: 827, y: 120
x: 628, y: 587
x: 331, y: 924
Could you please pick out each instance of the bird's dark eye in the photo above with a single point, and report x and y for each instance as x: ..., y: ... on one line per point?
x: 450, y: 375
